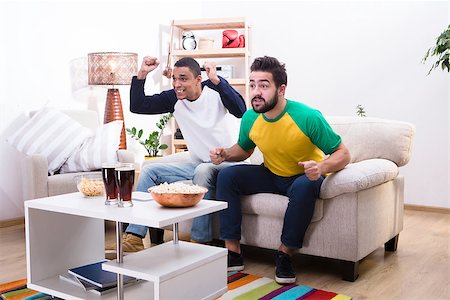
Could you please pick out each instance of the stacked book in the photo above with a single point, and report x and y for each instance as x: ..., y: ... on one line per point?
x: 93, y: 278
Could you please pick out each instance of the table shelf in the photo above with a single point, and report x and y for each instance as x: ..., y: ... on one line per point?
x: 77, y: 238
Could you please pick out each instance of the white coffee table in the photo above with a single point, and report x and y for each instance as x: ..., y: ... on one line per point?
x: 67, y: 231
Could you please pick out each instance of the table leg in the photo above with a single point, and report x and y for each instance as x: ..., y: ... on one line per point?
x: 119, y: 254
x: 175, y: 233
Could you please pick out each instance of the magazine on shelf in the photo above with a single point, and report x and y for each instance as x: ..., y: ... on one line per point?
x: 90, y: 287
x: 94, y: 274
x: 77, y: 281
x: 102, y: 291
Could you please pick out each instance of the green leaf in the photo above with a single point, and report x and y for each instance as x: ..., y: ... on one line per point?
x: 140, y: 133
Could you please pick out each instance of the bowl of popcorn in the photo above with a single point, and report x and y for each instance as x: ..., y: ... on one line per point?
x: 177, y: 194
x: 90, y: 185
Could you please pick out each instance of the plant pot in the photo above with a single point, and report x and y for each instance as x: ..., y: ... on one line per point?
x: 151, y: 157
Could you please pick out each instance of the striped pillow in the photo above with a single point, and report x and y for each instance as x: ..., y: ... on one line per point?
x: 50, y: 133
x: 102, y: 147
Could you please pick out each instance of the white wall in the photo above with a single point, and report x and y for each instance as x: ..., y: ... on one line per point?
x: 338, y: 54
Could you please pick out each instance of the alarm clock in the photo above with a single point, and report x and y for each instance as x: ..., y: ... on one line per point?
x: 189, y: 42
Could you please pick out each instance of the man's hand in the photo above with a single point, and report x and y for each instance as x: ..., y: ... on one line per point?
x: 211, y: 72
x: 312, y: 169
x: 149, y: 63
x: 217, y: 155
x: 167, y: 72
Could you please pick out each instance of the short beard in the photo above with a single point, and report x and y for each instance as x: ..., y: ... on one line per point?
x: 267, y: 106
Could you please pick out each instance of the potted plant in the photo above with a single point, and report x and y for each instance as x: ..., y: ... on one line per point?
x: 441, y: 51
x: 152, y: 144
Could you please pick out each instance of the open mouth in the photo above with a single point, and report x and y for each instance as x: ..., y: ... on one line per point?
x: 180, y: 93
x: 258, y: 101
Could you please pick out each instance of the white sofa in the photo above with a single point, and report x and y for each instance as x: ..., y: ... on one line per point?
x: 37, y: 183
x: 360, y: 208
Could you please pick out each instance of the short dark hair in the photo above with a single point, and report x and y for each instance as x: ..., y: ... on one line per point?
x: 190, y: 63
x: 271, y: 65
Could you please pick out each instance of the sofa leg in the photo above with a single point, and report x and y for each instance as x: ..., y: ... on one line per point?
x: 350, y: 270
x: 391, y: 245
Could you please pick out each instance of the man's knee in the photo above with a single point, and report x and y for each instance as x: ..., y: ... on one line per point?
x: 204, y: 174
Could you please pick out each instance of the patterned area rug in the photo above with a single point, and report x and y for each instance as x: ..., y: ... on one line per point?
x: 243, y: 286
x: 17, y: 290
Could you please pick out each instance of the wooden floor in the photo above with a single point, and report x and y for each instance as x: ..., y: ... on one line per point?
x: 420, y: 269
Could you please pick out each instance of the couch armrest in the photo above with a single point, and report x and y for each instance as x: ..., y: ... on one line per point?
x: 358, y: 176
x: 35, y: 175
x: 177, y: 157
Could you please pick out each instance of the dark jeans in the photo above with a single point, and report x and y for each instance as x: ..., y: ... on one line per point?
x: 234, y: 181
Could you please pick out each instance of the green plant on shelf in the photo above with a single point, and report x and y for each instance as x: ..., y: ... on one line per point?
x: 152, y: 143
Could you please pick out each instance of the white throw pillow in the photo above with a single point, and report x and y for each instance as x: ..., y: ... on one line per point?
x: 102, y: 147
x: 50, y: 133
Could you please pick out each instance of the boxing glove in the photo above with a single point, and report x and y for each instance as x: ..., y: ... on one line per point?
x: 230, y: 39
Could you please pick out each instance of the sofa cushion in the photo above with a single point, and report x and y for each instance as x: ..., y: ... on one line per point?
x: 368, y: 138
x: 64, y: 183
x: 273, y: 205
x: 102, y: 147
x: 358, y: 176
x: 50, y: 133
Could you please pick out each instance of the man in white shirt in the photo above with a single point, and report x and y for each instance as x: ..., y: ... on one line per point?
x: 201, y: 110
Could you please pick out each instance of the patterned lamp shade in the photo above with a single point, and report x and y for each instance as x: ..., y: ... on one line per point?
x: 112, y: 68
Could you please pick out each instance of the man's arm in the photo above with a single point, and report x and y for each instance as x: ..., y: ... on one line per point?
x: 333, y: 163
x: 156, y: 104
x: 231, y: 99
x: 234, y: 153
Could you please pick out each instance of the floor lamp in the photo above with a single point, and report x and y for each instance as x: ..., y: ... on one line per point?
x: 112, y: 68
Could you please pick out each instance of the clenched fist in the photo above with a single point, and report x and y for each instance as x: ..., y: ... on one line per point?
x: 217, y: 155
x: 312, y: 169
x: 211, y: 72
x: 149, y: 63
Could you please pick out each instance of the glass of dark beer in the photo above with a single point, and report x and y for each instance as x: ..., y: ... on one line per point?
x: 109, y: 179
x: 125, y: 182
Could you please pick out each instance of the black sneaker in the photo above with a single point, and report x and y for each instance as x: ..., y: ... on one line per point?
x: 235, y: 261
x: 284, y: 273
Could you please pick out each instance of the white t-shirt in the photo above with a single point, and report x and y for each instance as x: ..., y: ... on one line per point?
x: 206, y: 124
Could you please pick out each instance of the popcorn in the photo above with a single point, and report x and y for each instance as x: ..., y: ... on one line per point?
x: 177, y: 188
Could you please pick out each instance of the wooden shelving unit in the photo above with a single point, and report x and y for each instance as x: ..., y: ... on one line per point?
x: 241, y: 56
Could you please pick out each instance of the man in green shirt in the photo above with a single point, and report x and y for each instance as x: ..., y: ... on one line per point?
x: 299, y: 149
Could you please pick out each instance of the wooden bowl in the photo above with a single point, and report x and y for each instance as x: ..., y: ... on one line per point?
x: 178, y: 199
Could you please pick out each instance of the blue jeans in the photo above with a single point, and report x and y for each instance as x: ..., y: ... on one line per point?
x: 203, y: 174
x: 240, y: 180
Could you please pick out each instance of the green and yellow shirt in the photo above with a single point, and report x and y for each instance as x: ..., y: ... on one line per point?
x: 299, y: 133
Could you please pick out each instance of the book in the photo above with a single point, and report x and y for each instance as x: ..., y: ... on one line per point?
x: 91, y: 287
x: 103, y: 291
x: 94, y: 274
x: 77, y: 281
